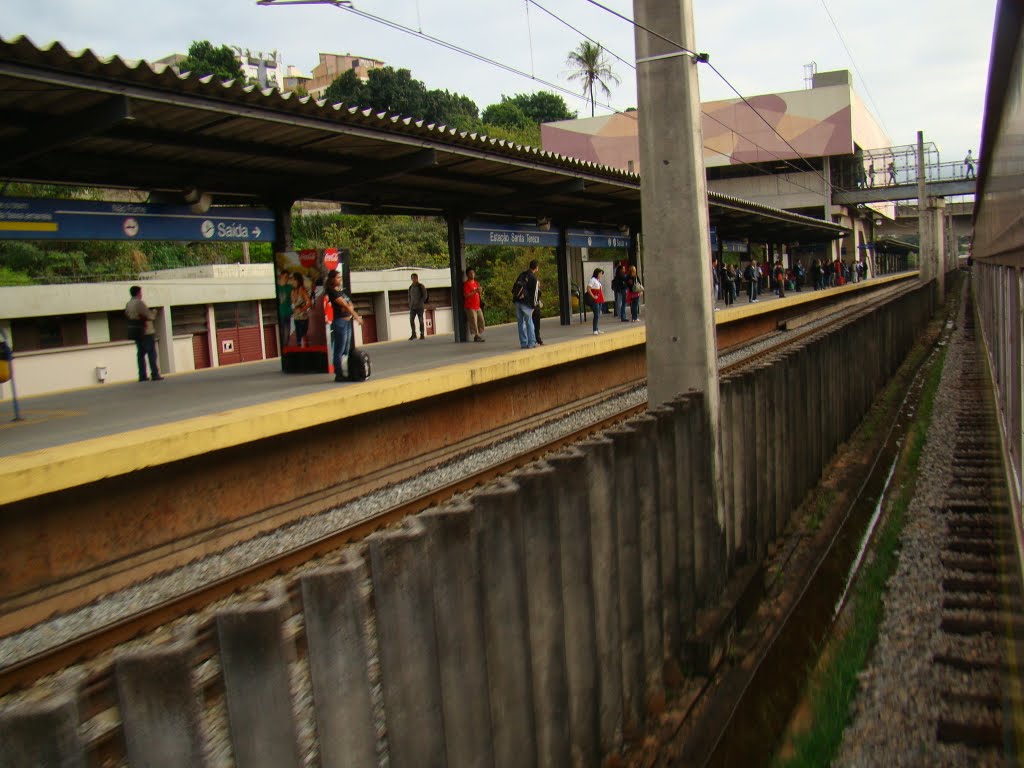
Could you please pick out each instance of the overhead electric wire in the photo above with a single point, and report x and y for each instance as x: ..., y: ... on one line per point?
x: 632, y: 115
x: 629, y: 64
x: 559, y: 19
x: 854, y: 62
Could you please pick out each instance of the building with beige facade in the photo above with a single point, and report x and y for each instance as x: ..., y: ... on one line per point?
x: 775, y: 149
x: 334, y: 65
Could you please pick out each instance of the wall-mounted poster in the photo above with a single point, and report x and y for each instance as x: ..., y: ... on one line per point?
x: 303, y: 314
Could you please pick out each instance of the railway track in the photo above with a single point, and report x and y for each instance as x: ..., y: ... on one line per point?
x: 982, y: 605
x: 99, y: 690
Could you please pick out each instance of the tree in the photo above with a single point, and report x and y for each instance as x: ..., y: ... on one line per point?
x: 541, y: 107
x: 506, y: 114
x: 591, y: 68
x: 347, y: 89
x: 396, y: 92
x: 203, y: 59
x: 451, y: 109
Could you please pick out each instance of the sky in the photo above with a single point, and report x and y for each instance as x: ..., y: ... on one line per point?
x: 916, y: 64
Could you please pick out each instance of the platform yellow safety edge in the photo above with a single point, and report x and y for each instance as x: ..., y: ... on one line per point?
x: 34, y: 473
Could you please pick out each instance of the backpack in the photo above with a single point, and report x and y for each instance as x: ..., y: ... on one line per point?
x: 519, y: 288
x: 135, y: 329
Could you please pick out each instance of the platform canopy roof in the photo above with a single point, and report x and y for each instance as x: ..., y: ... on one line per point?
x: 73, y: 118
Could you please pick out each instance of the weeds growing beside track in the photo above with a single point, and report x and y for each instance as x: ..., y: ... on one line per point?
x: 833, y: 686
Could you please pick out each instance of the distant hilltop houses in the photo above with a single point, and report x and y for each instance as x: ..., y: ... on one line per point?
x: 267, y: 69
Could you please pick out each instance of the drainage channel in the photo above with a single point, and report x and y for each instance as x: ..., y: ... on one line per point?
x: 773, y: 690
x: 761, y: 716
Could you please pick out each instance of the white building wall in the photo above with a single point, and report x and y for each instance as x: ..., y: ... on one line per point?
x: 52, y: 370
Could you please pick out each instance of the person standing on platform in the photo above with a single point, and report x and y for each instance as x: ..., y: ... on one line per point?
x: 284, y: 307
x: 417, y: 302
x: 780, y: 280
x: 471, y: 299
x: 634, y: 290
x: 536, y: 316
x: 619, y: 289
x: 753, y: 276
x: 524, y: 293
x: 892, y: 174
x: 595, y: 297
x: 871, y: 174
x: 341, y: 325
x: 731, y: 279
x: 141, y: 329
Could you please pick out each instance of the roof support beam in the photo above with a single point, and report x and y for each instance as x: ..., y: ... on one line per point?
x: 68, y: 130
x: 365, y: 173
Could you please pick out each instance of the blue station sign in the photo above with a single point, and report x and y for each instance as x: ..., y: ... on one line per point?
x: 38, y: 219
x: 596, y: 238
x: 482, y: 232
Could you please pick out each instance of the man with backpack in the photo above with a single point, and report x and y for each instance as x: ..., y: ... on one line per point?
x: 524, y: 296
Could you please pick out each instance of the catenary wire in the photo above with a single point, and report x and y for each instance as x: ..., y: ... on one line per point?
x: 629, y: 64
x: 632, y: 115
x: 854, y: 62
x: 724, y: 79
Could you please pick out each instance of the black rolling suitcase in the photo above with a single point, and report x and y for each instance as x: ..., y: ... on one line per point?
x: 358, y: 365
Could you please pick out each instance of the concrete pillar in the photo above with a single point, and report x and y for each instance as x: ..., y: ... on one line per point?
x: 936, y: 219
x: 686, y: 534
x: 801, y: 420
x: 582, y: 675
x: 666, y: 474
x: 681, y: 351
x: 711, y: 558
x: 745, y: 542
x: 928, y: 265
x: 283, y: 225
x: 337, y: 612
x: 506, y: 634
x: 650, y: 558
x: 457, y: 265
x: 727, y: 443
x: 165, y: 344
x: 42, y: 734
x: 776, y: 464
x: 458, y: 619
x: 631, y: 618
x: 404, y: 602
x: 160, y: 714
x: 757, y: 432
x: 254, y: 661
x: 599, y: 487
x: 748, y: 470
x: 211, y: 335
x: 564, y: 279
x: 541, y: 550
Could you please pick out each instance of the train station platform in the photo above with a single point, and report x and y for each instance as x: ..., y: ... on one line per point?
x: 81, y: 436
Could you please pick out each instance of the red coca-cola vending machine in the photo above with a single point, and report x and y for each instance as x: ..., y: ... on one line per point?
x: 303, y: 313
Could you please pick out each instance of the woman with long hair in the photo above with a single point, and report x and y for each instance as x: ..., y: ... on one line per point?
x: 595, y: 297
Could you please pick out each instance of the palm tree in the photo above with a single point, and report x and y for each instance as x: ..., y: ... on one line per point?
x: 592, y: 68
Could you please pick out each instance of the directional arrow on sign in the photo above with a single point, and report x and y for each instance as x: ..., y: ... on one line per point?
x: 256, y: 231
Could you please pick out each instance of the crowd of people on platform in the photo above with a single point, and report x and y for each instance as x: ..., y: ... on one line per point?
x: 728, y: 281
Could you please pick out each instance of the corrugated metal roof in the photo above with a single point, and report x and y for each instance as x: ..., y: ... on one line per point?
x: 75, y: 118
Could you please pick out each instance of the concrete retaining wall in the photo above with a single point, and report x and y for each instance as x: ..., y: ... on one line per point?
x: 539, y: 622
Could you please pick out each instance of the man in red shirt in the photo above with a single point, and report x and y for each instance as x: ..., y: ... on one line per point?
x: 471, y: 298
